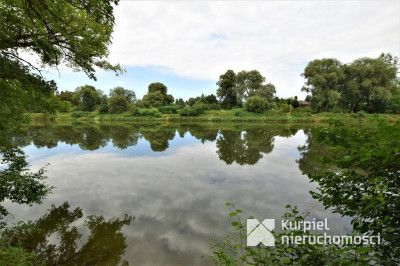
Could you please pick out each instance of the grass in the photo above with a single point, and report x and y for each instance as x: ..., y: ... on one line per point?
x: 235, y: 115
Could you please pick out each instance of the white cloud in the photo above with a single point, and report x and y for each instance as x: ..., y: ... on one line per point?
x: 202, y: 39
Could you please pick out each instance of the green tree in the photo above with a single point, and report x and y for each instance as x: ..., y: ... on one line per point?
x: 324, y: 78
x: 129, y: 95
x: 369, y: 83
x: 88, y: 97
x: 256, y: 104
x: 76, y: 33
x: 153, y: 99
x: 162, y: 89
x: 226, y: 89
x: 117, y: 104
x: 251, y: 83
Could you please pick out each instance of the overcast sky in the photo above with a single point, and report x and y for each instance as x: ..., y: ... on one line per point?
x: 188, y: 44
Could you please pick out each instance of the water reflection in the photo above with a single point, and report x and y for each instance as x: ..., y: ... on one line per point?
x: 175, y: 179
x: 235, y: 143
x: 105, y: 244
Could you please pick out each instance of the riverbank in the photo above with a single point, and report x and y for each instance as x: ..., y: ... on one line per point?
x: 235, y: 115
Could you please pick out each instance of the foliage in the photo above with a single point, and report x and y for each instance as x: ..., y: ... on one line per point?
x: 251, y: 83
x: 74, y: 32
x: 10, y: 255
x: 323, y: 80
x: 197, y: 109
x: 63, y: 106
x: 365, y: 84
x: 21, y: 90
x: 153, y: 112
x: 153, y: 100
x: 129, y: 95
x: 16, y: 183
x: 158, y: 87
x: 286, y: 108
x: 369, y: 180
x: 105, y: 244
x: 103, y: 108
x: 232, y: 251
x: 117, y: 104
x: 256, y: 104
x: 393, y: 107
x: 87, y: 97
x: 169, y: 109
x: 225, y: 91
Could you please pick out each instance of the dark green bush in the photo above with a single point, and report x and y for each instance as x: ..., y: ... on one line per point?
x: 195, y: 110
x: 169, y: 109
x: 256, y: 104
x: 286, y: 108
x: 78, y: 114
x: 153, y: 112
x: 103, y: 108
x: 117, y: 104
x: 134, y: 111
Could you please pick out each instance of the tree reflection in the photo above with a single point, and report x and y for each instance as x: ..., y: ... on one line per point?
x: 105, y: 244
x: 159, y: 139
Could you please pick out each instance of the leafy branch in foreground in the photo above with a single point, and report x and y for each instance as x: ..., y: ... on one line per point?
x: 232, y: 251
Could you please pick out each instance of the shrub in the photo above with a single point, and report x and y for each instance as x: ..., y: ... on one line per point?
x: 153, y: 112
x: 303, y: 110
x: 214, y: 106
x: 169, y: 109
x: 134, y: 111
x: 63, y: 106
x: 256, y: 104
x: 117, y: 104
x: 286, y: 108
x: 239, y: 112
x: 103, y: 108
x: 78, y: 114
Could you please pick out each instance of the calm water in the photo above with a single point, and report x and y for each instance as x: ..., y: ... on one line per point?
x: 175, y: 179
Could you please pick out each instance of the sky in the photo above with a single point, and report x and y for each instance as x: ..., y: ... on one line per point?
x: 187, y: 45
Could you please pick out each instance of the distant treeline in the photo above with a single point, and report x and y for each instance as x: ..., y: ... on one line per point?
x: 367, y: 84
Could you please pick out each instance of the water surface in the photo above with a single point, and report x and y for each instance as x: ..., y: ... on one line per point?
x: 175, y: 179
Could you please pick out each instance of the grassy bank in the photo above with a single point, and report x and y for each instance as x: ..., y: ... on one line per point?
x: 235, y: 115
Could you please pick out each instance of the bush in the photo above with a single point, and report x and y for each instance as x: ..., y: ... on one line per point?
x: 117, y: 104
x: 134, y: 111
x: 195, y: 110
x: 286, y: 108
x: 78, y: 114
x: 153, y: 112
x: 256, y: 104
x: 239, y: 112
x: 103, y: 108
x: 63, y: 106
x: 169, y: 109
x: 303, y: 110
x: 214, y: 106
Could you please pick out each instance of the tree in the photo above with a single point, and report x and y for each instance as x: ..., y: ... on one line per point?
x: 75, y: 32
x: 88, y: 97
x: 117, y: 104
x: 369, y: 83
x: 162, y: 89
x: 225, y: 91
x: 153, y: 99
x: 251, y: 83
x: 256, y: 104
x: 129, y: 95
x: 324, y: 78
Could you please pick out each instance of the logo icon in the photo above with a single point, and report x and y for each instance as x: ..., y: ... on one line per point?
x: 260, y: 232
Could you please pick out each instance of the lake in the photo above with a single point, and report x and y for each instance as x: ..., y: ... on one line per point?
x: 175, y: 180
